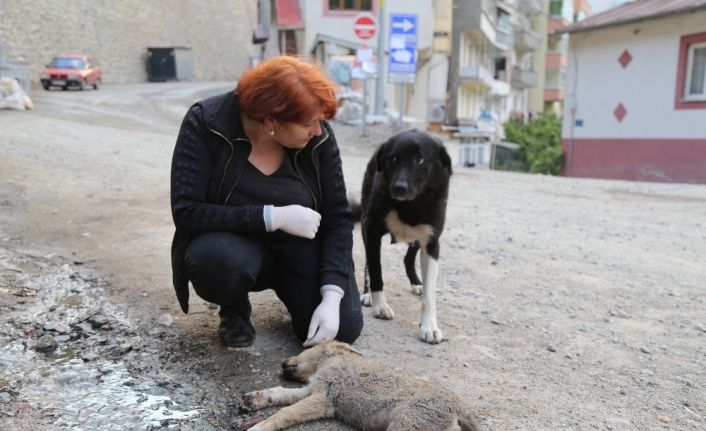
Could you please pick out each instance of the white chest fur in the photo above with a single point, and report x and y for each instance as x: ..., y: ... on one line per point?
x: 406, y: 233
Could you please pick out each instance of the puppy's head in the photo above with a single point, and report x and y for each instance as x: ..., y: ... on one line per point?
x: 302, y: 366
x: 411, y: 161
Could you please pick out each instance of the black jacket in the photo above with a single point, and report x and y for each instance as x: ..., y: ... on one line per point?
x: 209, y: 157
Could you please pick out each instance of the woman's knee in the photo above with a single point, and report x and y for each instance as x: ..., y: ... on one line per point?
x: 221, y: 266
x: 350, y: 328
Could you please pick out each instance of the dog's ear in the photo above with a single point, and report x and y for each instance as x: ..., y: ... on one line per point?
x: 338, y: 347
x: 445, y: 159
x: 381, y: 155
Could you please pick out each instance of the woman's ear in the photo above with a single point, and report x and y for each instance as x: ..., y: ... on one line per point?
x: 269, y: 124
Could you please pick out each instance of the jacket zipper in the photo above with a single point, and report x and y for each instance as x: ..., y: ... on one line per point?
x: 318, y: 181
x: 225, y: 169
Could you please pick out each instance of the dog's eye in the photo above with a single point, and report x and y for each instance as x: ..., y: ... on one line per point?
x: 394, y: 160
x: 420, y: 159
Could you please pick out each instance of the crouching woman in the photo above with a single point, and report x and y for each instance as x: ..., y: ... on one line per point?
x: 259, y: 202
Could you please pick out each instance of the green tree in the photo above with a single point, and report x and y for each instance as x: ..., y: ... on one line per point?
x: 540, y: 145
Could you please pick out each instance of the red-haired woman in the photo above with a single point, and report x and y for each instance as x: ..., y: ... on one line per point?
x: 259, y: 202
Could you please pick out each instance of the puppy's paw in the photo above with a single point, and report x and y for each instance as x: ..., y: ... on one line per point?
x: 253, y: 401
x: 417, y: 289
x: 366, y: 300
x: 431, y: 334
x: 383, y: 311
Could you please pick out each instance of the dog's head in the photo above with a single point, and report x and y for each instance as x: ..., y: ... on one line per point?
x: 302, y: 366
x: 410, y: 162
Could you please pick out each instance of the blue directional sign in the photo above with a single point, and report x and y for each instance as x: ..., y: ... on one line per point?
x: 402, y: 47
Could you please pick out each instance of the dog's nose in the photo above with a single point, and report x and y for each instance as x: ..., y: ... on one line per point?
x: 400, y: 187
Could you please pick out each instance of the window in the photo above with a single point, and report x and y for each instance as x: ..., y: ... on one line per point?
x: 555, y: 7
x: 503, y: 19
x: 346, y: 5
x: 691, y: 72
x: 696, y: 73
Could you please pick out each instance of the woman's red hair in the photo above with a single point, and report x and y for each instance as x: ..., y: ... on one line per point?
x: 286, y: 89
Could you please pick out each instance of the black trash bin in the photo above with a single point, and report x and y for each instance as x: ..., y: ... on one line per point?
x: 168, y: 64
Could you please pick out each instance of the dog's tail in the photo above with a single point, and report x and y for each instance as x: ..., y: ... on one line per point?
x: 467, y: 420
x: 356, y: 209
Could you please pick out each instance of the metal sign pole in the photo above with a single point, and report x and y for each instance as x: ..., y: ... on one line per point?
x: 400, y: 120
x: 365, y: 106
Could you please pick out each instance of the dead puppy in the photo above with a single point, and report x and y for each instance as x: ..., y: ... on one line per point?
x: 405, y: 189
x: 360, y: 392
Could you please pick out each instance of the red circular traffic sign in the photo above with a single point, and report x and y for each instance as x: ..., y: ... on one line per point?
x: 364, y: 27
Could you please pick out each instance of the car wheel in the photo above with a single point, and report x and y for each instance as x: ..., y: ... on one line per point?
x: 81, y: 85
x: 64, y: 88
x: 46, y: 86
x: 96, y: 84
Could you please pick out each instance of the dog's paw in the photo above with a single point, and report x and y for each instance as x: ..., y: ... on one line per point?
x: 417, y: 289
x: 383, y: 311
x: 253, y: 401
x: 366, y: 300
x: 431, y: 334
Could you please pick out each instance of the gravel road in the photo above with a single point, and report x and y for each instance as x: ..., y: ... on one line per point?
x: 568, y: 304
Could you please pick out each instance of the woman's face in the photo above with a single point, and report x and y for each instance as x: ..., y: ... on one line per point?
x: 295, y: 134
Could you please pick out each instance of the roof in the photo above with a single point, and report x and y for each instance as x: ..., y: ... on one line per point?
x: 638, y: 10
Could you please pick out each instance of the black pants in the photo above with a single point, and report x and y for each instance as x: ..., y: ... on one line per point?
x: 224, y: 268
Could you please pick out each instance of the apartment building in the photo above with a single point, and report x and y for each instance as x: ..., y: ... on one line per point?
x: 561, y: 13
x: 491, y: 70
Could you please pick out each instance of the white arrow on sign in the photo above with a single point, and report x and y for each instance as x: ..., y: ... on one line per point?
x: 406, y: 25
x: 402, y: 56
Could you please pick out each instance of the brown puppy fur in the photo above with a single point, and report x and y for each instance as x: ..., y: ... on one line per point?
x: 360, y: 392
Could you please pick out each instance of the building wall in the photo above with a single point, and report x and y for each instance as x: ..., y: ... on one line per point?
x: 653, y: 141
x: 597, y: 83
x: 118, y: 33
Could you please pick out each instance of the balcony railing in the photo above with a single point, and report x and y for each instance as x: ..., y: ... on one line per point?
x: 527, y: 40
x: 476, y: 74
x: 524, y: 78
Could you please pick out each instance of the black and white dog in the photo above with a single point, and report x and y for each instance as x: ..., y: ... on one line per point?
x: 405, y: 190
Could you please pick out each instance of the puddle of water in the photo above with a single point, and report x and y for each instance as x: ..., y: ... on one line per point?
x: 99, y: 393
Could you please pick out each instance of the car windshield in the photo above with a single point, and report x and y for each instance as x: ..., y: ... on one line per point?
x: 67, y: 63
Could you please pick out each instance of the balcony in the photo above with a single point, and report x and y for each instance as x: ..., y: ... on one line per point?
x: 498, y: 36
x: 483, y: 76
x: 475, y: 75
x: 527, y: 40
x: 530, y: 7
x: 524, y: 78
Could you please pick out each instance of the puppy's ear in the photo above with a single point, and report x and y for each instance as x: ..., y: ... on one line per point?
x: 339, y: 347
x: 445, y: 159
x: 381, y: 155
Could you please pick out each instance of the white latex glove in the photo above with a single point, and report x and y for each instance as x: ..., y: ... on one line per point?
x: 293, y: 219
x: 325, y: 320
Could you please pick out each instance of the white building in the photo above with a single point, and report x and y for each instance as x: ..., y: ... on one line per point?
x: 636, y: 93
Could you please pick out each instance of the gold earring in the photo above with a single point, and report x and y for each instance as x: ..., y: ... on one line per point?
x: 272, y: 132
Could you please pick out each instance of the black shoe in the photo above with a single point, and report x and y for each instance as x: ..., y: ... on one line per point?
x: 235, y: 329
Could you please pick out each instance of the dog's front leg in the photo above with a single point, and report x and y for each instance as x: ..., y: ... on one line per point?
x: 276, y: 396
x: 428, y: 328
x: 315, y: 406
x: 373, y: 241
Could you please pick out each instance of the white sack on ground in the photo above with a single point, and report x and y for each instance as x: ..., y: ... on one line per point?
x: 12, y: 96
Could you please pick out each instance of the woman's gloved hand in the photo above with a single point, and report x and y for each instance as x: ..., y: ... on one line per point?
x: 326, y: 317
x: 293, y: 219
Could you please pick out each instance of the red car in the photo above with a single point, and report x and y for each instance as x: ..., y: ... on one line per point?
x: 72, y: 70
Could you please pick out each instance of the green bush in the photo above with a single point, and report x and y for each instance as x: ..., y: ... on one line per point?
x: 540, y: 145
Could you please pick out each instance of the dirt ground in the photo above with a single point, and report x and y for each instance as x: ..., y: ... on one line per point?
x: 568, y: 304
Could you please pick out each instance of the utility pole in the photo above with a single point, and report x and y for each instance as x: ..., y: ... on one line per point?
x: 380, y: 81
